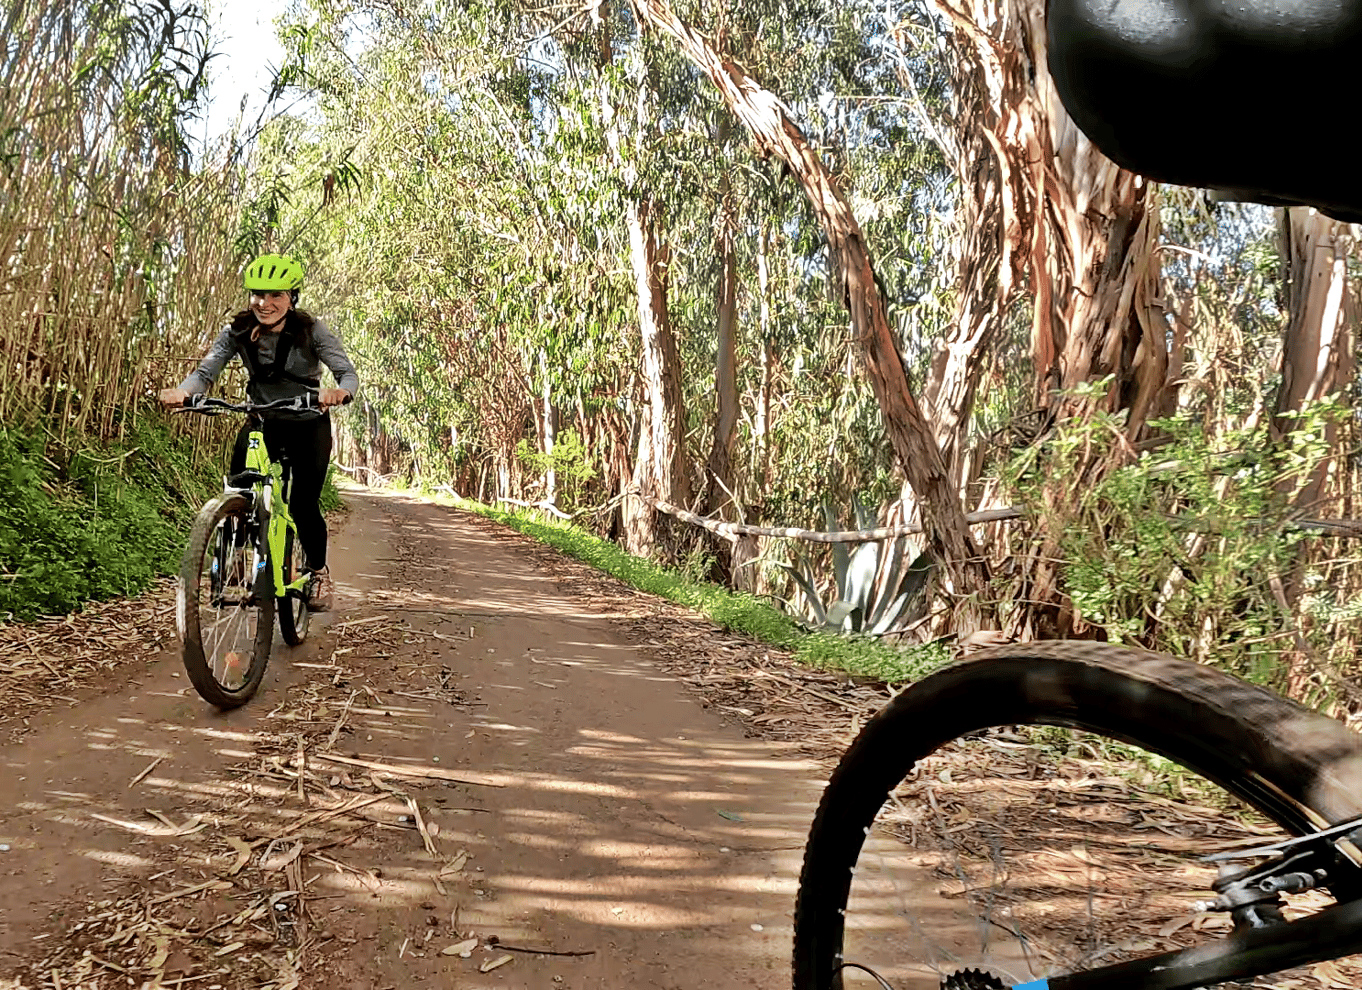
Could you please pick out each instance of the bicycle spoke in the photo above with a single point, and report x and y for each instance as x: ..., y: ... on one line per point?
x: 229, y: 617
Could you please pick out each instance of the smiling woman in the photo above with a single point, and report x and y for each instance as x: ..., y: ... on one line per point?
x: 283, y: 349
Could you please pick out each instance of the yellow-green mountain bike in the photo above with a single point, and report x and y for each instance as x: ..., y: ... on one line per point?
x: 243, y: 564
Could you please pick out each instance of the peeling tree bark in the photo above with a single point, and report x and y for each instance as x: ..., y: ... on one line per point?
x: 1318, y: 349
x: 1318, y: 356
x: 659, y: 467
x: 985, y: 285
x: 1045, y: 209
x: 918, y: 453
x: 719, y: 469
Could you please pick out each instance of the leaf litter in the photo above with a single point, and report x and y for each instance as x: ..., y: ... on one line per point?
x: 254, y: 917
x: 820, y: 712
x: 240, y: 905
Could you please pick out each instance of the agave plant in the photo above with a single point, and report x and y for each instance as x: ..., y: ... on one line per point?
x: 879, y: 590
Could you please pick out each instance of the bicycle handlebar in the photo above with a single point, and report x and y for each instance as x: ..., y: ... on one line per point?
x: 209, y: 406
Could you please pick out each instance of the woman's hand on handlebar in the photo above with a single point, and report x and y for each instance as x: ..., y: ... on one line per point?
x: 328, y: 397
x: 173, y: 398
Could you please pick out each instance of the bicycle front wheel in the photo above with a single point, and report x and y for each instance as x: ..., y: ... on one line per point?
x: 225, y: 602
x: 952, y: 850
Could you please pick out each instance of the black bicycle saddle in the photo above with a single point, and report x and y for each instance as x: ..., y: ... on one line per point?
x: 1246, y: 96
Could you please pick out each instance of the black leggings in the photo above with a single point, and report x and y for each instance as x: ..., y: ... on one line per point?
x: 307, y: 445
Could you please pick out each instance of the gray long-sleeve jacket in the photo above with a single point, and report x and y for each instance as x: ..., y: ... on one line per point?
x: 304, y: 361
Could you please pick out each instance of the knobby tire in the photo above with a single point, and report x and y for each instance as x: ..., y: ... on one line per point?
x: 197, y: 615
x: 1298, y: 768
x: 294, y: 616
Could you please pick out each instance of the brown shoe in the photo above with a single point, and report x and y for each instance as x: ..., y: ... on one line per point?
x: 323, y: 590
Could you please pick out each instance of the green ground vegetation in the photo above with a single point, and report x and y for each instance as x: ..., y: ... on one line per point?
x: 91, y: 522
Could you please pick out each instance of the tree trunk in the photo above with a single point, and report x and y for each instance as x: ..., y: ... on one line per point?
x: 660, y: 466
x: 762, y: 418
x: 719, y: 468
x: 548, y: 425
x: 1318, y: 360
x: 1044, y: 206
x: 1318, y: 349
x: 849, y: 257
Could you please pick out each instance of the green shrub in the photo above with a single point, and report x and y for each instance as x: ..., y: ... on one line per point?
x: 570, y: 461
x: 90, y: 523
x: 1177, y: 550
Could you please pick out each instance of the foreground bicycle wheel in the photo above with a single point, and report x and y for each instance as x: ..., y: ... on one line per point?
x: 293, y: 612
x: 952, y: 851
x: 225, y: 603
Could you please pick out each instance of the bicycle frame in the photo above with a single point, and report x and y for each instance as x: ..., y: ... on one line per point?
x: 1330, y: 934
x: 281, y: 519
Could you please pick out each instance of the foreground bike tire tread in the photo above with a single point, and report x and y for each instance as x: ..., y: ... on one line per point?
x: 1300, y: 769
x: 193, y: 599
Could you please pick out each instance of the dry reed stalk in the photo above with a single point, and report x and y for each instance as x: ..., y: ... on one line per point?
x: 92, y: 199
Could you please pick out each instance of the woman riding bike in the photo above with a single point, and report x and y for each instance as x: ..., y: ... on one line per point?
x: 283, y: 349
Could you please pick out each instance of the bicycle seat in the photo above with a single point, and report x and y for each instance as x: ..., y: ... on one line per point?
x: 1247, y: 97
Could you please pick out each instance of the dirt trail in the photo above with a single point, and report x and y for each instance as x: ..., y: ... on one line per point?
x: 615, y: 820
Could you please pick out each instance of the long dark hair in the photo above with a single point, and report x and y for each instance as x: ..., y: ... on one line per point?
x: 298, y: 322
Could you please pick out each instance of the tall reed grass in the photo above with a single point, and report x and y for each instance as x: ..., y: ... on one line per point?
x: 116, y: 232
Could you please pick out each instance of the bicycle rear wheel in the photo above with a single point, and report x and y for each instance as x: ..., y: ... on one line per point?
x: 225, y: 602
x: 947, y: 844
x: 293, y: 612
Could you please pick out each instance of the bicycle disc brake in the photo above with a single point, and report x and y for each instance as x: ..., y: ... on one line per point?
x: 972, y: 979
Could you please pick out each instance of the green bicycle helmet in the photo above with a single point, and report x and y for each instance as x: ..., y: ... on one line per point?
x: 273, y: 273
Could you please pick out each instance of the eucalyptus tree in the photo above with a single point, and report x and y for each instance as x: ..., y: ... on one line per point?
x: 461, y: 264
x: 1319, y: 339
x: 1078, y: 240
x: 919, y: 453
x: 597, y: 137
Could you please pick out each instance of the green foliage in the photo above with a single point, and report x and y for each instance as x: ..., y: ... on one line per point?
x: 570, y: 461
x: 483, y: 261
x: 1139, y: 768
x: 868, y: 657
x: 1177, y: 550
x: 330, y: 499
x: 697, y: 563
x: 737, y: 611
x: 92, y: 523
